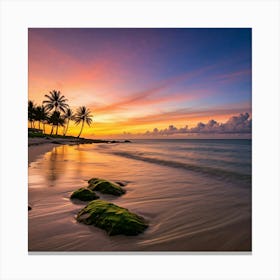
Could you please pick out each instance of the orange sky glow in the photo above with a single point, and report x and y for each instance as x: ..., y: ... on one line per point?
x: 137, y: 80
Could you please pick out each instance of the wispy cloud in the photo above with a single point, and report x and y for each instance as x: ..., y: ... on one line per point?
x: 233, y: 77
x: 144, y: 97
x: 190, y: 114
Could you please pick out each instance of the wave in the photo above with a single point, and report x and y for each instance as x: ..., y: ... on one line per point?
x: 207, y: 170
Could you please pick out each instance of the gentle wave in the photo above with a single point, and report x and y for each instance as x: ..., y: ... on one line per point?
x: 213, y: 171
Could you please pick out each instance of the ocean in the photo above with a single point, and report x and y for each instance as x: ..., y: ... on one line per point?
x: 196, y: 195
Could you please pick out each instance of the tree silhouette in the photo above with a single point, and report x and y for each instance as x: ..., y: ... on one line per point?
x: 83, y: 115
x: 69, y: 115
x: 43, y: 116
x: 56, y: 120
x: 31, y: 112
x: 38, y: 115
x: 55, y: 101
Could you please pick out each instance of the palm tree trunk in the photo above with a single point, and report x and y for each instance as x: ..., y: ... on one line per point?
x: 66, y: 128
x: 51, y: 130
x: 56, y: 130
x: 39, y: 125
x: 44, y: 128
x: 81, y: 129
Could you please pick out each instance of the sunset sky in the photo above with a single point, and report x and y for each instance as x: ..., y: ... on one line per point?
x: 139, y: 80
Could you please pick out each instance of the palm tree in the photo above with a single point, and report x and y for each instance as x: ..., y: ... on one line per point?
x: 40, y: 115
x: 56, y: 120
x: 56, y: 101
x: 50, y: 122
x: 31, y: 112
x: 44, y: 116
x: 83, y: 115
x: 60, y: 122
x: 37, y: 115
x: 69, y: 115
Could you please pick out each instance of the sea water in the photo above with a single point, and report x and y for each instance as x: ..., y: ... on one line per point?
x: 196, y: 195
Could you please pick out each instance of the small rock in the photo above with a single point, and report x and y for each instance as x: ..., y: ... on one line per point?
x: 104, y: 186
x: 84, y: 194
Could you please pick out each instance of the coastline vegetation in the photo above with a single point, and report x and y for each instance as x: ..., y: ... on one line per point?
x: 56, y: 113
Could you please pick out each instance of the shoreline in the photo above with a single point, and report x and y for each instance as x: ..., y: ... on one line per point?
x: 35, y: 151
x: 62, y: 140
x: 38, y: 146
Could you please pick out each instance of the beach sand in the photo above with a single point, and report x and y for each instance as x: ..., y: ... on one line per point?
x: 187, y: 211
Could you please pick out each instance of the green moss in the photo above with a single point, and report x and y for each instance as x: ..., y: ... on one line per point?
x: 104, y: 186
x: 93, y: 181
x: 84, y: 194
x: 112, y: 218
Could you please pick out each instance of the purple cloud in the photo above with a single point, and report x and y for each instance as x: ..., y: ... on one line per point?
x: 236, y: 124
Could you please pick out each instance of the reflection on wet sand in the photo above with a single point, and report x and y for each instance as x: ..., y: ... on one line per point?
x: 55, y: 164
x: 79, y: 159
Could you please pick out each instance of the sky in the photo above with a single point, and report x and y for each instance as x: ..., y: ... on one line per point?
x: 147, y: 82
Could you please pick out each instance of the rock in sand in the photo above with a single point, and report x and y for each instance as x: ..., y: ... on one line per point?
x: 112, y: 218
x: 105, y: 187
x: 84, y: 194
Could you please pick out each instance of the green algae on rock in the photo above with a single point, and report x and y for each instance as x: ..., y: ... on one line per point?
x: 112, y: 218
x: 93, y: 181
x: 104, y: 186
x: 84, y: 194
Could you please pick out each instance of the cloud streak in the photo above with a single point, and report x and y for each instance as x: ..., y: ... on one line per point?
x: 144, y: 97
x: 190, y: 114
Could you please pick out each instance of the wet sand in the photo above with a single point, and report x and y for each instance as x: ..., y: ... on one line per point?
x: 34, y: 151
x: 39, y: 146
x: 187, y: 211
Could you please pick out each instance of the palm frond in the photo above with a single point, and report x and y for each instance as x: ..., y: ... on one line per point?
x: 54, y: 100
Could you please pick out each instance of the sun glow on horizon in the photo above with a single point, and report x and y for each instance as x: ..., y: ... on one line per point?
x: 148, y: 79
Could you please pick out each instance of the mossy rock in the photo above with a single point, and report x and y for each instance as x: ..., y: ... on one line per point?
x: 112, y: 218
x: 84, y: 194
x: 104, y: 186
